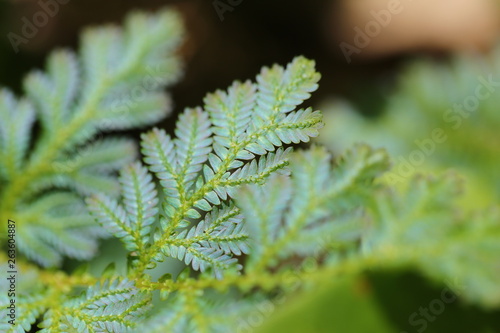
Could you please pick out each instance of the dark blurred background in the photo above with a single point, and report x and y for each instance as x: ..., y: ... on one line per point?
x: 227, y: 42
x: 253, y: 34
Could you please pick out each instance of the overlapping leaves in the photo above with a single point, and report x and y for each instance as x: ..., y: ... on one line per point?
x: 114, y: 306
x: 235, y: 139
x: 115, y: 82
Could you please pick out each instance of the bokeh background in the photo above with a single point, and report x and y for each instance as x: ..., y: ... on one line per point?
x: 256, y: 33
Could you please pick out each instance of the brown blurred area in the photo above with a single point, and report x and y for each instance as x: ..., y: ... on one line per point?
x: 257, y: 33
x: 395, y: 26
x: 216, y: 52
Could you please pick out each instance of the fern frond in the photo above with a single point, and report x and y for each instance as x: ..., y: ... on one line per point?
x: 453, y: 111
x: 29, y: 297
x: 215, y: 151
x: 289, y: 217
x: 104, y: 155
x: 116, y: 81
x: 319, y: 209
x: 113, y: 306
x: 59, y: 225
x: 131, y: 223
x: 211, y: 242
x: 140, y: 199
x: 27, y: 310
x: 159, y: 154
x: 231, y: 112
x: 54, y: 92
x: 281, y: 90
x: 452, y: 250
x: 193, y: 143
x: 223, y: 195
x: 191, y: 312
x: 112, y: 217
x: 16, y: 120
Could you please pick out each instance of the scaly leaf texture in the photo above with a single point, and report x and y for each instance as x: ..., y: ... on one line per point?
x: 197, y: 312
x: 277, y: 233
x: 27, y: 310
x: 355, y: 223
x: 320, y: 223
x: 237, y: 138
x: 115, y: 82
x: 316, y: 207
x: 113, y: 306
x: 422, y: 226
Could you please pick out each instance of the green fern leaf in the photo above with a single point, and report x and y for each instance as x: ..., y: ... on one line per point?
x: 131, y: 223
x: 451, y: 251
x: 114, y: 306
x: 287, y: 217
x: 16, y: 120
x: 215, y: 152
x: 115, y: 82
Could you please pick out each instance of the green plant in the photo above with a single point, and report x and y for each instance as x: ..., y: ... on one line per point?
x: 440, y: 116
x: 253, y: 223
x: 107, y: 86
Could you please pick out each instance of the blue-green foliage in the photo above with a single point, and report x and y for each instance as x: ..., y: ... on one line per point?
x: 459, y: 247
x: 133, y: 222
x: 16, y: 120
x: 26, y: 313
x: 30, y: 299
x: 440, y: 115
x: 317, y: 207
x: 114, y: 306
x: 115, y: 82
x: 235, y: 139
x: 224, y: 195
